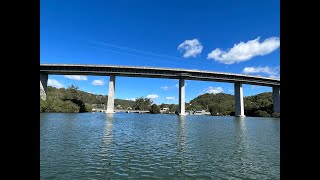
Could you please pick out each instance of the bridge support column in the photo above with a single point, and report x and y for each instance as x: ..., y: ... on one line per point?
x: 43, y: 86
x: 182, y: 97
x: 112, y: 84
x: 238, y: 95
x: 276, y: 98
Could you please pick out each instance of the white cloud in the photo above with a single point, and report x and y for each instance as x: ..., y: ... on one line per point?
x: 54, y: 83
x: 153, y: 96
x: 131, y: 99
x: 171, y: 98
x: 76, y: 77
x: 191, y: 47
x: 213, y: 90
x: 165, y: 88
x: 271, y: 72
x: 245, y: 51
x: 274, y: 77
x: 98, y: 82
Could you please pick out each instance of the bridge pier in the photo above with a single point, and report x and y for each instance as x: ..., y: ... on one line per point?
x: 182, y: 97
x: 43, y: 86
x: 276, y: 98
x: 238, y: 95
x: 112, y: 84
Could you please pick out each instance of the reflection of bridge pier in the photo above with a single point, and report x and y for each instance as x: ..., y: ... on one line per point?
x: 242, y: 148
x: 106, y: 146
x: 182, y: 140
x: 182, y: 134
x: 108, y: 136
x: 169, y: 73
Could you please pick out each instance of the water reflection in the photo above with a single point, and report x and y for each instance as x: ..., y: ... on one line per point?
x: 240, y: 129
x: 241, y: 150
x: 182, y: 141
x: 145, y: 146
x: 106, y: 146
x: 182, y: 136
x: 108, y: 136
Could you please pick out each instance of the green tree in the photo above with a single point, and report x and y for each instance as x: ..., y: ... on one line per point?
x: 43, y: 105
x: 155, y: 109
x: 173, y: 108
x: 215, y: 109
x: 164, y: 105
x: 88, y: 107
x: 260, y: 113
x: 72, y: 99
x: 142, y: 103
x: 257, y: 105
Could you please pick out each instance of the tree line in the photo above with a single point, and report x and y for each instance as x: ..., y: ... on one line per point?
x: 72, y: 99
x: 259, y: 105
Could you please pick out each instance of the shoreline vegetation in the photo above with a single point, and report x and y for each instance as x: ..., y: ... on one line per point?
x: 73, y: 100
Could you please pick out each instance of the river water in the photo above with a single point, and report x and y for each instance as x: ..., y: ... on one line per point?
x: 147, y: 146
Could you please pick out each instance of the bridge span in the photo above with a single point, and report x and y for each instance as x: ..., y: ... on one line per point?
x: 169, y: 73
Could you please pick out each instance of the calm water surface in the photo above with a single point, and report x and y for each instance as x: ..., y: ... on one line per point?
x: 146, y: 146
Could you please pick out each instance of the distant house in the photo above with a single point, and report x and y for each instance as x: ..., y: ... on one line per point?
x: 199, y: 112
x: 164, y: 110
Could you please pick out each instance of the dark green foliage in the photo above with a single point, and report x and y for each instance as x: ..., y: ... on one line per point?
x: 259, y: 105
x: 42, y: 105
x: 88, y: 107
x: 173, y: 108
x: 256, y: 111
x: 142, y: 104
x: 78, y: 102
x: 74, y: 100
x: 155, y: 109
x: 220, y: 103
x: 260, y: 113
x: 164, y: 105
x: 215, y: 109
x: 125, y: 104
x: 258, y: 101
x: 58, y: 105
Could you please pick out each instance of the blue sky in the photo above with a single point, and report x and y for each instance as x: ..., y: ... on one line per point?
x: 224, y: 35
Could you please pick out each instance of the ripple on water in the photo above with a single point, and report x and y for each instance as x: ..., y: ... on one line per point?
x: 100, y: 146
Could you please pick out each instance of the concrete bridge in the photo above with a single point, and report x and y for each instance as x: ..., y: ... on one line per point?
x: 169, y: 73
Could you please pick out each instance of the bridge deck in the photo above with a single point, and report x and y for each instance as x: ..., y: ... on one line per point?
x: 154, y: 72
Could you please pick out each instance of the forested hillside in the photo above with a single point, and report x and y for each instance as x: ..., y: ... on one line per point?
x: 74, y: 100
x: 259, y: 105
